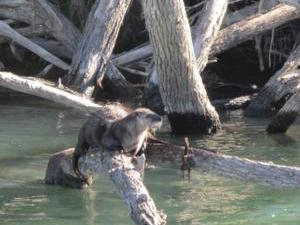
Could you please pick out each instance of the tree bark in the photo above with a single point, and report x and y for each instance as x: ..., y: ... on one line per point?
x: 285, y: 82
x: 291, y: 2
x: 286, y: 116
x: 206, y: 30
x: 184, y: 96
x: 96, y: 46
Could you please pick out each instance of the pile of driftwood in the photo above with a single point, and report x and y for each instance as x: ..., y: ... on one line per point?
x: 78, y: 37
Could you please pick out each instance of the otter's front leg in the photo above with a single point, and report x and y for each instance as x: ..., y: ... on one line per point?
x: 139, y: 163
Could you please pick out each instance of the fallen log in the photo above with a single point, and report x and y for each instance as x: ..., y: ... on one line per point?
x: 265, y: 173
x: 286, y: 115
x: 7, y: 31
x: 36, y: 87
x: 285, y: 82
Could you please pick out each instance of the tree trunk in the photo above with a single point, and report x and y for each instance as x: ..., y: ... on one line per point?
x: 183, y: 93
x: 96, y: 46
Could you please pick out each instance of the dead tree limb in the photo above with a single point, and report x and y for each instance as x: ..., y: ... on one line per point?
x: 128, y: 182
x: 36, y: 87
x: 205, y: 31
x: 268, y: 174
x: 244, y: 30
x: 7, y: 31
x: 96, y: 45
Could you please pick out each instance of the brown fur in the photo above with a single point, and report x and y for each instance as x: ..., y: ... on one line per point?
x: 114, y: 128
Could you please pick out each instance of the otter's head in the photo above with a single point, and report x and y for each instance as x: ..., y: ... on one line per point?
x: 132, y: 130
x: 145, y: 119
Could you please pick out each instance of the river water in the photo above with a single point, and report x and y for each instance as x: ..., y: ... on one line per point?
x: 32, y: 129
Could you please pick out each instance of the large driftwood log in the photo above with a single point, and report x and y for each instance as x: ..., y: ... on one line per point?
x: 285, y: 82
x: 230, y: 36
x: 286, y: 115
x: 97, y: 43
x: 182, y: 90
x: 36, y: 87
x: 265, y: 173
x: 7, y: 31
x: 128, y: 182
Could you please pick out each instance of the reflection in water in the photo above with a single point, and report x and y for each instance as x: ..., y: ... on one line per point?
x: 32, y: 130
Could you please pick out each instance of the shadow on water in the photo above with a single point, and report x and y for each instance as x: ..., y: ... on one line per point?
x: 31, y: 130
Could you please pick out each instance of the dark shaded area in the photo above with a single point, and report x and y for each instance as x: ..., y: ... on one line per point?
x: 191, y: 123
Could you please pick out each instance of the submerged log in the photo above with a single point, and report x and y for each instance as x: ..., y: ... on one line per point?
x: 265, y: 173
x: 286, y: 115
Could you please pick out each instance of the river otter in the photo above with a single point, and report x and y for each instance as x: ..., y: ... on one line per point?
x: 115, y: 128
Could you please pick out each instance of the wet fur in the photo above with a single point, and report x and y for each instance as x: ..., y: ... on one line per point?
x: 115, y: 129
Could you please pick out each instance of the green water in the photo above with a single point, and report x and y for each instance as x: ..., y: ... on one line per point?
x: 32, y: 129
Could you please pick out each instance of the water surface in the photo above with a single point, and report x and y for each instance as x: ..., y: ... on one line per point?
x: 32, y: 129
